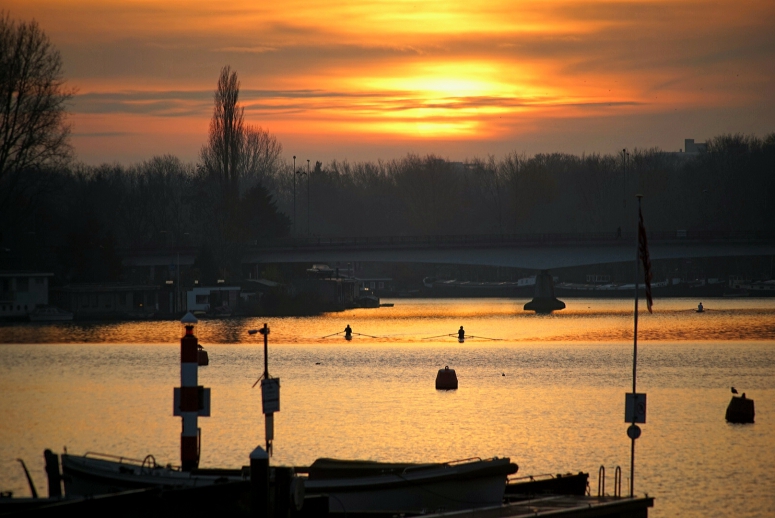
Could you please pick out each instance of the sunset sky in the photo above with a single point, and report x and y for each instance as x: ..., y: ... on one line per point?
x: 370, y: 79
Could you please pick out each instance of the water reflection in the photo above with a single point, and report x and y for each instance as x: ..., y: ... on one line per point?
x: 413, y: 321
x: 108, y: 388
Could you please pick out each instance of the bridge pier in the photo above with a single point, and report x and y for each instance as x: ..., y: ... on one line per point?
x: 544, y: 300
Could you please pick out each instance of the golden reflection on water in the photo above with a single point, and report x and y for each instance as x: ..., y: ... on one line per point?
x: 549, y: 394
x: 416, y: 320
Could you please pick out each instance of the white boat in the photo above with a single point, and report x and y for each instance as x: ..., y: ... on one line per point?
x: 98, y: 474
x: 365, y: 486
x: 49, y: 314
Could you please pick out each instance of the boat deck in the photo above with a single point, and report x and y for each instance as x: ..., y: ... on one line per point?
x: 562, y: 506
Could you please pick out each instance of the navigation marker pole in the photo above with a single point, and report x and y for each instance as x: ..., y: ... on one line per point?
x: 634, y: 403
x: 190, y: 400
x: 270, y: 391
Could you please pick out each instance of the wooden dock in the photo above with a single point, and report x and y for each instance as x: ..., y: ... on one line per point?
x: 562, y: 507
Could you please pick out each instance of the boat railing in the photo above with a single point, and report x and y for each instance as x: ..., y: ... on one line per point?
x: 464, y: 461
x: 149, y: 462
x: 601, y: 482
x: 432, y: 465
x: 532, y: 478
x: 617, y: 482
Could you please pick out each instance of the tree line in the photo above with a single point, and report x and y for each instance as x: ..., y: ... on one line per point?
x: 243, y: 191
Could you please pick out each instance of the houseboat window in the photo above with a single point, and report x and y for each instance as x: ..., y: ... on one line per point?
x: 23, y: 284
x: 381, y: 285
x: 202, y: 299
x: 122, y: 299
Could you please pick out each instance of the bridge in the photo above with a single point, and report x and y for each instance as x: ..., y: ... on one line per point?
x: 528, y: 251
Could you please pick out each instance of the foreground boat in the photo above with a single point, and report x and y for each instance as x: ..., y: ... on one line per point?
x: 97, y: 474
x: 371, y: 487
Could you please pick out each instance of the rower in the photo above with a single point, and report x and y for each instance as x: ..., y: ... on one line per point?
x: 700, y: 309
x: 348, y: 332
x: 461, y: 334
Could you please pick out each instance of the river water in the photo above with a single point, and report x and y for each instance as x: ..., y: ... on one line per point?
x: 549, y: 393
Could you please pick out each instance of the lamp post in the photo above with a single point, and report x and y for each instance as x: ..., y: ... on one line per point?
x: 176, y: 252
x: 294, y: 195
x: 625, y: 160
x: 302, y: 173
x: 177, y: 270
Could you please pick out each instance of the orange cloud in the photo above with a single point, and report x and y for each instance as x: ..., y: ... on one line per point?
x: 490, y: 76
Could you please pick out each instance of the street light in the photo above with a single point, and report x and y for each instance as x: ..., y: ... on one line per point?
x: 175, y: 251
x: 177, y: 271
x: 302, y: 173
x: 625, y: 160
x: 294, y: 194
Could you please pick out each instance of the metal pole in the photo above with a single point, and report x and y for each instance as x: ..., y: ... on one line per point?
x: 294, y: 195
x: 268, y: 418
x: 624, y: 186
x: 265, y: 332
x: 635, y: 342
x: 307, y: 198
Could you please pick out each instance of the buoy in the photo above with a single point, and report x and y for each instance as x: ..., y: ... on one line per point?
x: 740, y: 410
x: 446, y: 379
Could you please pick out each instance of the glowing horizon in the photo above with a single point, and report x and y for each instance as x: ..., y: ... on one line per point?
x: 371, y: 80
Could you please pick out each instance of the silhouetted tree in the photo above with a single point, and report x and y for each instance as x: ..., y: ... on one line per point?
x: 220, y: 158
x: 33, y: 132
x: 206, y: 266
x: 236, y: 158
x: 259, y: 218
x: 90, y: 252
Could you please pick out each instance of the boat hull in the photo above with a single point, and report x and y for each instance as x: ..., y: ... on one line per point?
x: 419, y: 489
x: 88, y: 476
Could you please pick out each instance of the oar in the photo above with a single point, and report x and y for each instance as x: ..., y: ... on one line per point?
x: 438, y: 336
x: 339, y: 333
x: 483, y: 337
x: 365, y: 335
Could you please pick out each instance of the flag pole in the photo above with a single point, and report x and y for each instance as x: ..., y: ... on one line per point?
x: 635, y: 344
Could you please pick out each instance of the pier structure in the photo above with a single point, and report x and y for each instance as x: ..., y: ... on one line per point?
x: 561, y: 506
x: 190, y: 400
x: 544, y: 300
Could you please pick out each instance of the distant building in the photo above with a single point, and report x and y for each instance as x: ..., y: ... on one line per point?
x: 21, y: 292
x: 377, y: 285
x: 108, y: 300
x: 692, y: 147
x: 209, y: 299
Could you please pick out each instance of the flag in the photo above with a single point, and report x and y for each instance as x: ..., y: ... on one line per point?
x: 643, y: 252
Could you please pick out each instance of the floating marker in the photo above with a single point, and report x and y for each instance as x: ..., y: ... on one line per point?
x: 740, y: 410
x: 446, y: 379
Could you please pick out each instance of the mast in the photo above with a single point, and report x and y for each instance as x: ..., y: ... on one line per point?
x: 634, y: 403
x: 635, y: 346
